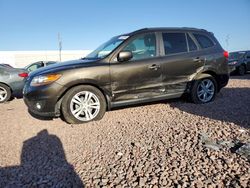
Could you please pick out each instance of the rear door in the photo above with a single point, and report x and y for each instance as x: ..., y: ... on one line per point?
x: 180, y: 61
x: 140, y: 77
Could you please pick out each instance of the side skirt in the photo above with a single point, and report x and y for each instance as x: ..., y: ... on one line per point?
x: 145, y: 100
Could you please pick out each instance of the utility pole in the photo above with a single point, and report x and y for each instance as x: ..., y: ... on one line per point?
x: 227, y: 41
x: 60, y: 46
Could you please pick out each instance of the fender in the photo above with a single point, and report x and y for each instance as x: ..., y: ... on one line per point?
x: 104, y: 88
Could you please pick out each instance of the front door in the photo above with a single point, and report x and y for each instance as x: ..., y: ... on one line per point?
x: 140, y: 77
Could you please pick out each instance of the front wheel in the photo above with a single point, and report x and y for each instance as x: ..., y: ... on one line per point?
x: 203, y: 90
x: 83, y: 104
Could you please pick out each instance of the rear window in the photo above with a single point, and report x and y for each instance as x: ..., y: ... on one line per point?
x: 236, y: 55
x: 174, y: 43
x: 203, y: 41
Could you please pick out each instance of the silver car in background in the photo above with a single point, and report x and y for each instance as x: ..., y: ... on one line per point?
x: 39, y: 64
x: 11, y: 82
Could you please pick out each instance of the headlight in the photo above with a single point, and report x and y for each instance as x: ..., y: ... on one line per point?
x: 44, y: 79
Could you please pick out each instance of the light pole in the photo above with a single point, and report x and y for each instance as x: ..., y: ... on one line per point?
x: 227, y: 41
x: 60, y: 46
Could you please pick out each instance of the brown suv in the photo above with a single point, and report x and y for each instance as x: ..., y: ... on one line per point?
x: 142, y: 66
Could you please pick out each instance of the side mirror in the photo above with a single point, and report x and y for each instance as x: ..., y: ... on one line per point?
x: 124, y: 56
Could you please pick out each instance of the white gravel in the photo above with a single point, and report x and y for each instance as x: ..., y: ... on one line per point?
x: 155, y: 145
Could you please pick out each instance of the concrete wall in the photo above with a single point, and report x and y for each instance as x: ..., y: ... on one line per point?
x: 22, y: 58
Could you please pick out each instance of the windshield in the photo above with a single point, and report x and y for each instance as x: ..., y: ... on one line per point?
x: 236, y: 55
x: 106, y: 48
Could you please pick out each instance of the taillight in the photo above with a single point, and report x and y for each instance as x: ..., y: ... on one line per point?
x: 24, y: 74
x: 226, y: 54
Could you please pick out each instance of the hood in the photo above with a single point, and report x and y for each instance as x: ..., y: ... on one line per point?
x: 62, y: 66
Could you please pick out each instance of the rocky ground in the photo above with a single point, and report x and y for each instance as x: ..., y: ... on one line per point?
x: 167, y: 144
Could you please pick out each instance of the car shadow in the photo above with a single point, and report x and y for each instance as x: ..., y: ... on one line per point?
x: 43, y: 164
x: 236, y: 76
x: 231, y: 105
x: 40, y: 117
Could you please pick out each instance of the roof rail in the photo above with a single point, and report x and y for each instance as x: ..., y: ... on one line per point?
x: 139, y: 30
x: 194, y: 28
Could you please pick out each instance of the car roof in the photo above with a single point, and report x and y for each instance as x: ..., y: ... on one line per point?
x: 159, y: 29
x: 242, y: 51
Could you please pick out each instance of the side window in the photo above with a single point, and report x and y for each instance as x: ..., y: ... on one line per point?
x: 174, y: 43
x: 192, y: 46
x: 248, y: 55
x: 204, y: 41
x: 142, y: 47
x: 34, y: 67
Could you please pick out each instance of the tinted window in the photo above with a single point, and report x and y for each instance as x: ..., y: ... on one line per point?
x: 174, y: 43
x: 204, y: 41
x: 192, y: 46
x: 248, y: 55
x: 142, y: 47
x: 236, y: 55
x: 34, y: 67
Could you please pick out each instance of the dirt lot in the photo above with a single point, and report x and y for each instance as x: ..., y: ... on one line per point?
x: 167, y: 144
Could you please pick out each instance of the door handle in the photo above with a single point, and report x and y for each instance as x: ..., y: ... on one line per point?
x: 154, y: 67
x: 198, y: 59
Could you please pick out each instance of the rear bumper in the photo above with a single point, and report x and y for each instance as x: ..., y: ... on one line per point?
x: 222, y: 80
x: 17, y: 88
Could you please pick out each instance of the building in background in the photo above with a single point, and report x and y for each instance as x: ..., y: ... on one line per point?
x: 22, y: 58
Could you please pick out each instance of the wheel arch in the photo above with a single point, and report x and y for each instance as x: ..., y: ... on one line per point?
x: 7, y: 86
x: 69, y: 87
x: 203, y: 75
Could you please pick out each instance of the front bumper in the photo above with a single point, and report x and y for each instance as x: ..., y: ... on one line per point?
x: 17, y: 88
x: 42, y: 100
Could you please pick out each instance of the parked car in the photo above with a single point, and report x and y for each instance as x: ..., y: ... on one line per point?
x: 11, y: 82
x: 6, y: 65
x: 239, y: 62
x: 39, y: 64
x: 142, y: 66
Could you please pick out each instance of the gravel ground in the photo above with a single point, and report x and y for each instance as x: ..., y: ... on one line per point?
x: 167, y: 144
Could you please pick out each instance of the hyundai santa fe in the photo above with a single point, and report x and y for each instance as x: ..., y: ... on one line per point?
x: 143, y: 66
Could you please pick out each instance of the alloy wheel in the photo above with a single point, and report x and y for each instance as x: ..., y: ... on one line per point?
x: 3, y: 94
x: 206, y: 90
x: 85, y: 106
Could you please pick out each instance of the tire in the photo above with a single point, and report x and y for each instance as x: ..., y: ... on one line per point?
x: 241, y: 70
x: 83, y: 104
x: 5, y: 93
x: 196, y: 94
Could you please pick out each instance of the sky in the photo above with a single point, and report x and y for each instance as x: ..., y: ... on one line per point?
x: 85, y: 24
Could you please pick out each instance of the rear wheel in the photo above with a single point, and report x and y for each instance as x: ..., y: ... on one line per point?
x: 203, y: 90
x: 83, y: 104
x: 241, y: 70
x: 5, y: 93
